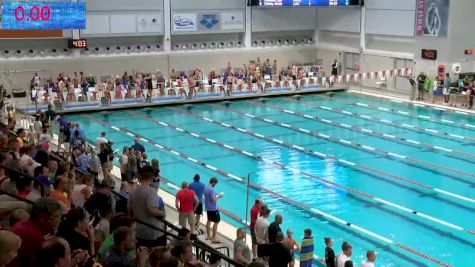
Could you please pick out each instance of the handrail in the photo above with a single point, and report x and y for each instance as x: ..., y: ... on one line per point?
x: 16, y: 197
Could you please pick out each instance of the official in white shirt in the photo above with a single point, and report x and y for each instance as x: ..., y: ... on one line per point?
x: 370, y: 259
x: 101, y: 139
x: 345, y: 255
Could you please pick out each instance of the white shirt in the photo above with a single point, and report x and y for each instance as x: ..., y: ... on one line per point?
x: 262, y: 229
x: 100, y: 140
x: 341, y: 259
x: 37, y: 126
x: 367, y: 264
x: 124, y: 160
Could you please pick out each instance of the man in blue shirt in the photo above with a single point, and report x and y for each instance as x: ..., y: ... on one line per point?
x: 199, y: 188
x: 211, y: 199
x: 83, y: 161
x: 75, y: 128
x: 138, y: 146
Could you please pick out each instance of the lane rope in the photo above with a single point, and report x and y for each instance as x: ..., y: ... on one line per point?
x: 286, y: 199
x: 365, y: 131
x: 445, y: 122
x: 283, y: 166
x: 415, y: 128
x: 352, y: 144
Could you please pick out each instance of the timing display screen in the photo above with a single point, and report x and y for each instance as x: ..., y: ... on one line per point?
x: 43, y: 15
x: 307, y: 2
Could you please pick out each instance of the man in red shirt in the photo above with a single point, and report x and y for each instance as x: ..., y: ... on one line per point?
x: 255, y: 212
x: 44, y: 220
x: 186, y: 203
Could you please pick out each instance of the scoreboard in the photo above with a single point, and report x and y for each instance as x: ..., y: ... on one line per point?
x: 303, y: 3
x: 35, y: 15
x: 307, y: 2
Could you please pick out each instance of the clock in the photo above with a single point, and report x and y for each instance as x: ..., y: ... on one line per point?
x: 77, y: 43
x: 429, y: 54
x: 22, y: 15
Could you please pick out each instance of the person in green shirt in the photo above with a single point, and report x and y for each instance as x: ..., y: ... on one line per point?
x: 116, y: 222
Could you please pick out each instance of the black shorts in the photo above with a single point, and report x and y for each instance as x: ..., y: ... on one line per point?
x: 199, y: 209
x: 214, y: 216
x: 253, y: 237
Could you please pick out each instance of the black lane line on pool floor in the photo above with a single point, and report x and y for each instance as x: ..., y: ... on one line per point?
x: 415, y: 128
x: 288, y: 200
x: 283, y: 166
x: 403, y: 158
x: 362, y: 130
x: 444, y: 122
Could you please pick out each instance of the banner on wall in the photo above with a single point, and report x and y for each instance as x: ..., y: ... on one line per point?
x: 232, y: 20
x: 149, y: 23
x: 432, y: 17
x: 184, y: 22
x: 209, y: 22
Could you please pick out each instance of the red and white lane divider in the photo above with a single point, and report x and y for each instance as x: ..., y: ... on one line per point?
x: 326, y: 156
x: 353, y: 144
x: 411, y: 127
x: 356, y: 145
x: 366, y: 131
x: 418, y: 104
x: 467, y: 126
x: 284, y: 198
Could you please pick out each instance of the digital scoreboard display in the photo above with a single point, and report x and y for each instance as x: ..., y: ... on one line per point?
x: 22, y: 15
x: 305, y: 2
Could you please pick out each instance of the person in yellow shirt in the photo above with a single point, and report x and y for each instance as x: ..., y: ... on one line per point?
x: 21, y: 135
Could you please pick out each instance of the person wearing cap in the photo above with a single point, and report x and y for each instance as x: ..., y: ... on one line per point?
x: 100, y: 201
x: 186, y: 203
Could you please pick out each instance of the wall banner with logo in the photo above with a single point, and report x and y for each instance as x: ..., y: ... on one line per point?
x: 209, y: 21
x: 432, y: 17
x: 184, y: 22
x: 232, y: 20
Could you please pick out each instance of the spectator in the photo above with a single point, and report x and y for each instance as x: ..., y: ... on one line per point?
x: 131, y: 166
x: 9, y: 245
x: 155, y: 163
x: 104, y: 224
x: 82, y: 161
x: 60, y: 192
x: 143, y: 205
x: 137, y: 146
x: 211, y: 199
x: 94, y: 164
x: 198, y: 187
x: 21, y: 135
x: 121, y: 203
x: 421, y: 79
x: 370, y: 259
x: 26, y: 160
x: 44, y: 139
x: 77, y: 142
x: 186, y: 203
x: 330, y: 259
x: 37, y: 126
x: 101, y: 200
x: 349, y: 263
x: 255, y: 212
x: 124, y: 161
x: 159, y: 255
x: 101, y: 139
x: 118, y: 256
x: 307, y: 249
x: 242, y: 253
x: 292, y: 245
x: 117, y: 221
x: 184, y: 252
x: 50, y: 114
x: 262, y: 227
x: 274, y: 228
x: 75, y: 229
x: 279, y: 255
x: 345, y: 255
x: 156, y: 187
x: 82, y: 191
x: 44, y: 219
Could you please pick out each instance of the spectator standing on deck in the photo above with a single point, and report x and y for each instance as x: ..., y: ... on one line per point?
x: 279, y: 255
x: 138, y: 146
x: 262, y: 227
x: 291, y: 244
x: 199, y: 188
x: 186, y: 203
x: 345, y: 255
x: 101, y: 139
x: 211, y: 199
x: 307, y: 249
x: 370, y: 259
x: 255, y: 212
x: 124, y: 161
x: 274, y: 228
x: 330, y: 259
x: 143, y: 205
x: 421, y: 79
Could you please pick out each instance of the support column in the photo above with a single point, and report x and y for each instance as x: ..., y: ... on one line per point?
x: 167, y: 26
x: 363, y: 30
x: 248, y: 33
x: 316, y: 32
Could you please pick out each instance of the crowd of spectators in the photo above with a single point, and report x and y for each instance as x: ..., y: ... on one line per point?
x: 140, y: 85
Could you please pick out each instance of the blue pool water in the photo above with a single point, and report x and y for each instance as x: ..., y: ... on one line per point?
x: 382, y: 208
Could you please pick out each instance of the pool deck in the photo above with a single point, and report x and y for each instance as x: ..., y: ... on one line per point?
x: 85, y: 107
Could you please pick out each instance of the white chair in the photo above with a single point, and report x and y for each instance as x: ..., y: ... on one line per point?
x: 310, y: 74
x: 267, y: 77
x: 77, y: 91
